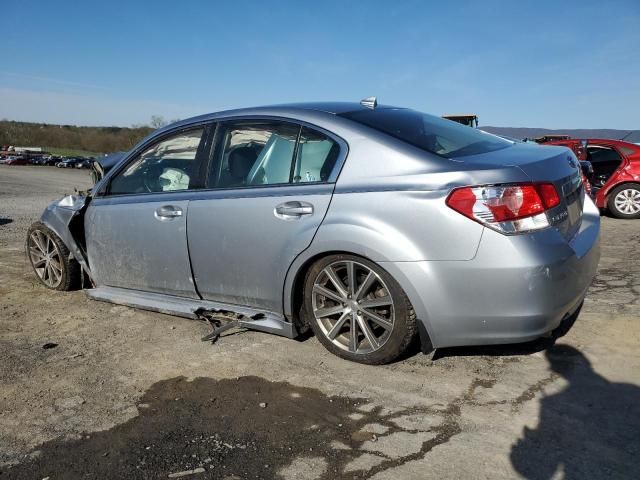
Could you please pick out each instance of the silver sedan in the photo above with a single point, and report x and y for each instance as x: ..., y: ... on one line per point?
x: 372, y: 225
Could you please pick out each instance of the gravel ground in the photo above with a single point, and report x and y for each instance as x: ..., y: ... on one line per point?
x: 123, y: 393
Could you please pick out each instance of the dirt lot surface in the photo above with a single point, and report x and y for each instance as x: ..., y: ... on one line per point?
x: 123, y: 393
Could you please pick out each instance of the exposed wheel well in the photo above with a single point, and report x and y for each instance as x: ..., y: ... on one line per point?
x: 610, y: 191
x: 628, y: 182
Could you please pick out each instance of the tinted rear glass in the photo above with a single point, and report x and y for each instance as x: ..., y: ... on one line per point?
x: 428, y: 132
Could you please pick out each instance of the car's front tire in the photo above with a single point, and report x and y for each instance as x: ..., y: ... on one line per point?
x: 357, y: 310
x: 50, y: 259
x: 624, y: 201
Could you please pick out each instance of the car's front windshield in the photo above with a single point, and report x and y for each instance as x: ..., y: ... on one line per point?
x: 433, y: 134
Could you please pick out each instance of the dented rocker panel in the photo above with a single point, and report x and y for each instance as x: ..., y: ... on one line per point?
x: 270, y: 322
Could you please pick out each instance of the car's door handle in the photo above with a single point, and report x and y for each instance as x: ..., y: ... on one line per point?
x: 289, y: 210
x: 167, y: 212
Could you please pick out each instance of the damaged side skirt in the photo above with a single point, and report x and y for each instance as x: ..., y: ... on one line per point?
x: 222, y: 320
x: 243, y: 317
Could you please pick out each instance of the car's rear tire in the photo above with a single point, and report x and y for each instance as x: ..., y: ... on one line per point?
x: 624, y: 201
x: 344, y: 294
x: 50, y: 259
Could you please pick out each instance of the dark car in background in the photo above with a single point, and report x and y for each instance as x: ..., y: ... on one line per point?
x: 49, y: 160
x: 67, y: 163
x: 84, y: 163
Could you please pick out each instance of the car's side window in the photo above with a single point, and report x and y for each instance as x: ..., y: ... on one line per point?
x: 256, y: 153
x: 266, y: 152
x: 168, y: 165
x: 316, y: 156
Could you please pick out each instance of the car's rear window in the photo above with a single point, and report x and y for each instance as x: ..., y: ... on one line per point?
x: 428, y: 132
x: 627, y: 150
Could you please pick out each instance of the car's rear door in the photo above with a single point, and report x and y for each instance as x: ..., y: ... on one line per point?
x: 136, y: 228
x: 269, y: 186
x: 606, y: 161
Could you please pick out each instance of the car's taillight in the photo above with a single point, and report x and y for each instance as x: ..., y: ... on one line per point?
x: 506, y: 208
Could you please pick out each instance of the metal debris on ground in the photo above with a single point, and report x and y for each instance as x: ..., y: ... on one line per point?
x: 186, y: 473
x: 223, y: 320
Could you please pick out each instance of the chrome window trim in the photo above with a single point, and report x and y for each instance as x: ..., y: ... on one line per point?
x: 209, y: 194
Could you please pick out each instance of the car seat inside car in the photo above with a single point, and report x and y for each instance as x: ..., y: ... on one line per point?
x: 273, y: 165
x: 241, y: 160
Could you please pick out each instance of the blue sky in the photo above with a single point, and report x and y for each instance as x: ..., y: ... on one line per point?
x: 538, y: 63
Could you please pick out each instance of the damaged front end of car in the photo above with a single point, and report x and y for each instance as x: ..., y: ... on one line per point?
x: 65, y: 217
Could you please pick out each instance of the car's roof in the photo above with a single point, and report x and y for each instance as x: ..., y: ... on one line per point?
x: 608, y: 140
x: 335, y: 108
x: 593, y: 141
x: 285, y: 109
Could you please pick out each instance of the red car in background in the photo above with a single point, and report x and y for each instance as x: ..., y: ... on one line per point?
x: 17, y: 161
x: 616, y: 173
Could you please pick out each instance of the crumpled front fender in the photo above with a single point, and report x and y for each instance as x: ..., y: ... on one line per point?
x: 61, y: 216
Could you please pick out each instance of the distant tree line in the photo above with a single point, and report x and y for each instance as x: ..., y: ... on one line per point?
x: 92, y: 139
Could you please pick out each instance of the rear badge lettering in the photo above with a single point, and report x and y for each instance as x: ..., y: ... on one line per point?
x: 559, y: 217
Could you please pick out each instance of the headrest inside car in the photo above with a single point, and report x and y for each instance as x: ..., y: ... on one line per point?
x: 240, y: 162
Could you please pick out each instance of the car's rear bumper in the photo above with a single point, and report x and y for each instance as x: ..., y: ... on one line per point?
x: 516, y: 289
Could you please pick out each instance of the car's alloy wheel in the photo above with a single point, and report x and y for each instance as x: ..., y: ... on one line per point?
x: 50, y: 259
x: 628, y: 201
x: 353, y: 306
x: 45, y: 258
x: 357, y: 310
x: 624, y: 201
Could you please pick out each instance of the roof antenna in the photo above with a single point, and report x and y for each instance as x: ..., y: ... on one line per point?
x: 369, y: 102
x: 622, y: 139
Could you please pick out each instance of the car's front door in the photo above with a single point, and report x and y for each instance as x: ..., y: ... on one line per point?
x: 136, y: 229
x: 269, y: 187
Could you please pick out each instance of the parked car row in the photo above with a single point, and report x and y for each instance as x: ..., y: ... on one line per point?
x: 48, y: 160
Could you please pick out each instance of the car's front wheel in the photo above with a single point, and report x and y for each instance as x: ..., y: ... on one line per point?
x: 50, y: 259
x: 624, y: 201
x: 357, y: 310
